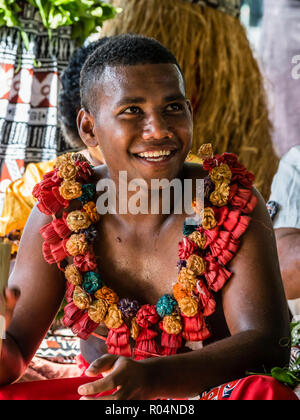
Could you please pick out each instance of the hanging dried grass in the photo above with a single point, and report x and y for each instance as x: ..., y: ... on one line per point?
x: 224, y: 82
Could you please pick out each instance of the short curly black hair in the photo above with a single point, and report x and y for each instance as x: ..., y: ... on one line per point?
x: 121, y: 50
x: 69, y: 101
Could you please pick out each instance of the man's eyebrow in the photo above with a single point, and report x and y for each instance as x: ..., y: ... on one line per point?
x: 176, y: 97
x: 140, y: 100
x: 130, y: 100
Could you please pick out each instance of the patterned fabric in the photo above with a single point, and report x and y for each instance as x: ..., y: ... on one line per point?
x: 29, y: 130
x: 232, y: 7
x: 222, y: 392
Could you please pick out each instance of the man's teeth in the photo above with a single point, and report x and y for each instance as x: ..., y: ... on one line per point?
x: 156, y: 154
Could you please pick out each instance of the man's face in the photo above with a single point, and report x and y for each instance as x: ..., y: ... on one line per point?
x: 142, y: 121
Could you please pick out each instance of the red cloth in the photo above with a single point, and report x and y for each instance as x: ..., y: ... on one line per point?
x: 251, y: 388
x: 51, y: 390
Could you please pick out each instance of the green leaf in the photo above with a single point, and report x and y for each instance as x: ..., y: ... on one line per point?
x: 284, y: 376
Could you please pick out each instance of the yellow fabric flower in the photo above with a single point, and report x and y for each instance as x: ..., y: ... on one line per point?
x: 77, y: 245
x: 73, y: 275
x: 70, y: 190
x: 65, y: 159
x: 187, y: 279
x: 67, y: 170
x: 196, y: 264
x: 205, y: 151
x: 91, y: 210
x: 221, y: 174
x: 172, y: 324
x: 188, y: 306
x: 77, y: 220
x: 208, y: 218
x: 199, y: 239
x: 220, y: 196
x: 114, y: 317
x: 81, y: 299
x: 134, y: 329
x: 98, y: 310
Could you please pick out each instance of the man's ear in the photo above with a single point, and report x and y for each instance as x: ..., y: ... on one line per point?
x: 85, y: 124
x: 190, y: 108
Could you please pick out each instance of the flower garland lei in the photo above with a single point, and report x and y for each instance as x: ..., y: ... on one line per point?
x: 204, y: 252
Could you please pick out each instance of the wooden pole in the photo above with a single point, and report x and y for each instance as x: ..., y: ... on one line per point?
x: 5, y: 252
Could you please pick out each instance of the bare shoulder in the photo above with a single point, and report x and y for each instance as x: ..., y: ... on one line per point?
x: 41, y: 286
x: 254, y: 297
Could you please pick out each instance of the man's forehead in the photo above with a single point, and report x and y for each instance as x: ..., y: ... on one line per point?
x: 125, y: 80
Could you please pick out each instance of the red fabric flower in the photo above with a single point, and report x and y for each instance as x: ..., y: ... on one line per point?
x: 84, y: 327
x: 236, y: 223
x: 56, y: 230
x: 60, y: 226
x: 86, y: 262
x: 206, y: 299
x: 118, y: 337
x: 72, y: 314
x: 242, y: 198
x: 195, y: 329
x: 146, y: 345
x: 216, y: 275
x: 85, y: 171
x: 239, y: 172
x: 47, y: 193
x: 69, y: 292
x: 186, y: 248
x: 146, y: 316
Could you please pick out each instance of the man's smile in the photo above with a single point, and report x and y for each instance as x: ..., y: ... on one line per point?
x: 155, y: 156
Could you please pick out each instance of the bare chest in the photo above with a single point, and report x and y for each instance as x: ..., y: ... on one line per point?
x: 141, y: 266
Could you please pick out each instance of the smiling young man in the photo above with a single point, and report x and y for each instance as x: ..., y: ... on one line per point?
x: 135, y: 108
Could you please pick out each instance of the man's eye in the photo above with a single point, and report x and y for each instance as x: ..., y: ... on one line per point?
x: 174, y: 107
x: 132, y: 110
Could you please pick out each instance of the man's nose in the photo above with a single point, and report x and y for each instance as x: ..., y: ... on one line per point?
x: 157, y: 128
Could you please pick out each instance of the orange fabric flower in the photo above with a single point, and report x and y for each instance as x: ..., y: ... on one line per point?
x: 179, y: 292
x: 92, y: 212
x: 77, y: 245
x: 107, y: 294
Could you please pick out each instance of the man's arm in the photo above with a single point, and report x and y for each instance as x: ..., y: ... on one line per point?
x: 257, y: 317
x: 42, y: 290
x: 288, y: 246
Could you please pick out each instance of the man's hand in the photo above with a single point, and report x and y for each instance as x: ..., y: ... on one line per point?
x: 131, y: 380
